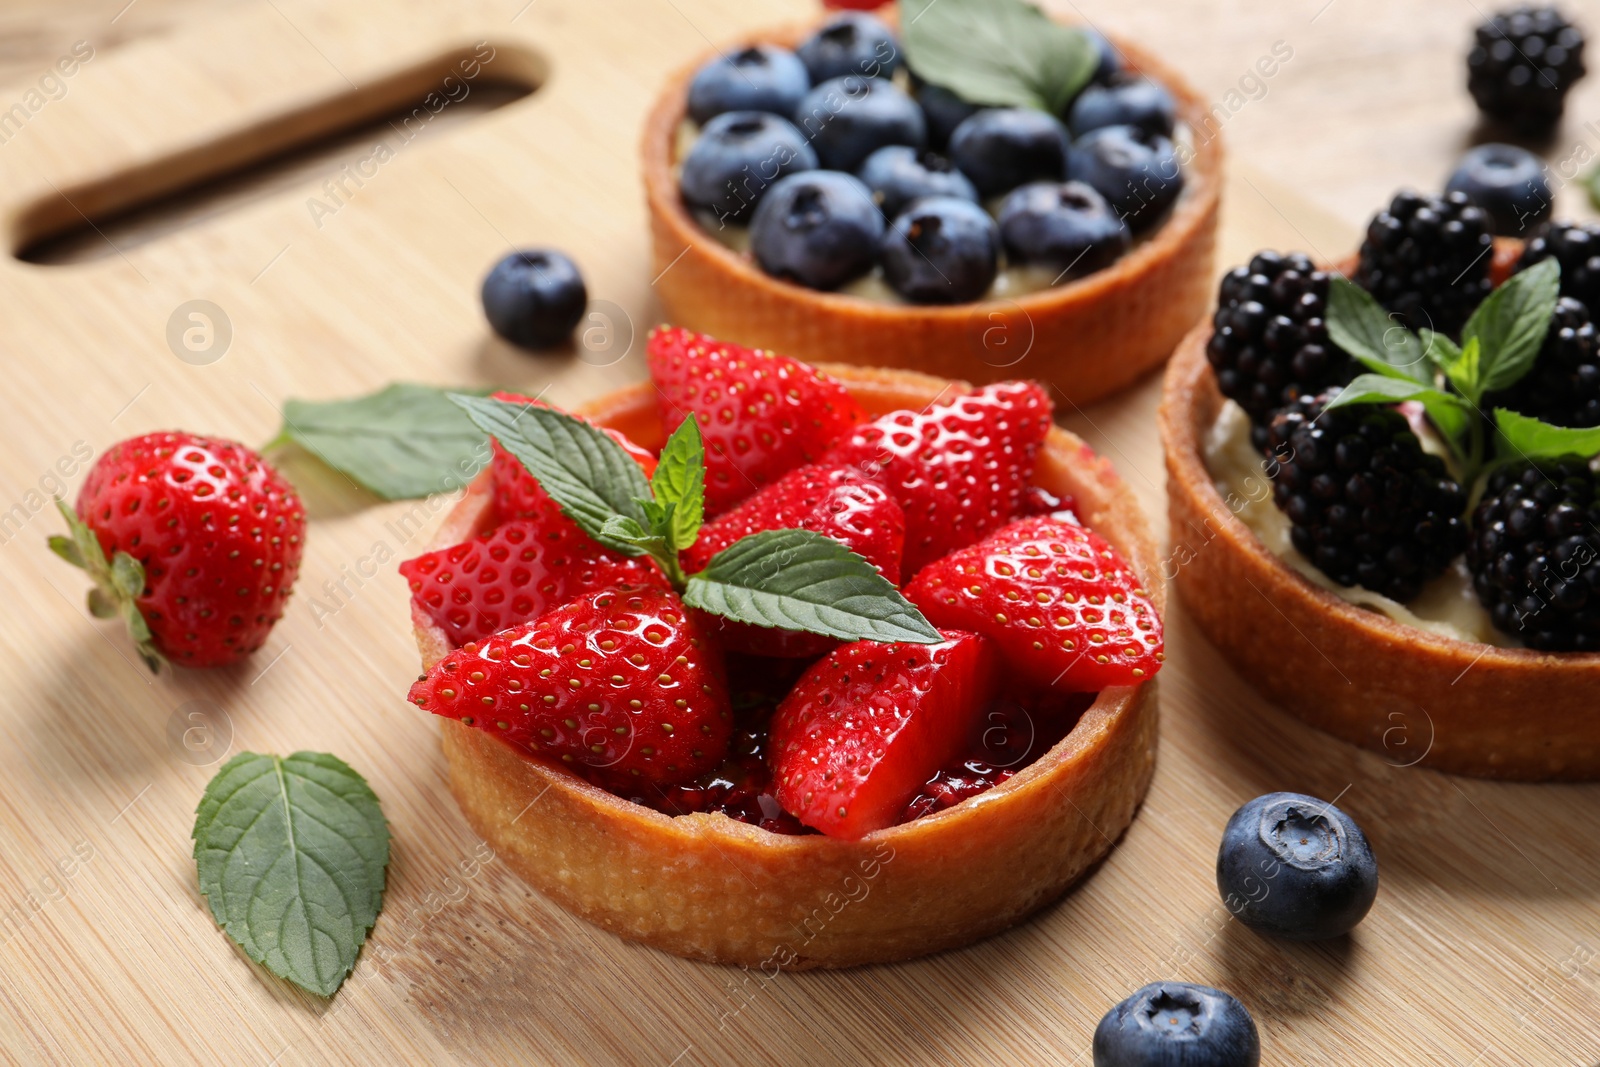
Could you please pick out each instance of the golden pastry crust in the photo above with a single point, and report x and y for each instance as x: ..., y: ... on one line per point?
x: 1416, y: 697
x: 1090, y: 337
x: 710, y: 888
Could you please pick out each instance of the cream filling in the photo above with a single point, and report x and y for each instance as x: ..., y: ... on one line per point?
x: 1446, y: 606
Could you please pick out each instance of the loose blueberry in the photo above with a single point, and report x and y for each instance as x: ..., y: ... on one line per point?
x: 942, y: 110
x: 1137, y: 172
x: 819, y: 228
x: 534, y: 298
x: 1065, y: 226
x: 1294, y: 867
x: 850, y: 44
x: 1176, y: 1024
x: 941, y: 250
x: 1125, y: 102
x: 1509, y: 183
x: 762, y: 77
x: 1109, y: 60
x: 849, y: 118
x: 736, y: 159
x: 1004, y: 147
x: 898, y: 174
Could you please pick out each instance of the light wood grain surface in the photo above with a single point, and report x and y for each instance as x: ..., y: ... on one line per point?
x: 1483, y: 948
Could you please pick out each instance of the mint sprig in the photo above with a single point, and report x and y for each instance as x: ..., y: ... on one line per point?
x: 118, y: 582
x: 291, y: 853
x: 788, y: 579
x: 1005, y: 53
x: 1528, y: 438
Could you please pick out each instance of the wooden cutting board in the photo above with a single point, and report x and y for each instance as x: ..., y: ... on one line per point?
x: 1483, y: 947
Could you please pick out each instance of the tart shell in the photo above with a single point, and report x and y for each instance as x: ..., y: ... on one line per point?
x: 1090, y: 337
x: 1416, y: 697
x: 708, y: 887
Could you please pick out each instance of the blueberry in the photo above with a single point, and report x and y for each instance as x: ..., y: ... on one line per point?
x: 1067, y: 227
x: 852, y: 43
x: 1137, y: 172
x: 898, y: 174
x: 762, y: 77
x: 941, y: 250
x: 1108, y: 60
x: 1509, y: 183
x: 1295, y: 867
x: 534, y: 298
x: 1001, y: 148
x: 1176, y: 1024
x: 819, y: 228
x: 942, y: 110
x: 736, y: 159
x: 1125, y: 102
x: 849, y: 118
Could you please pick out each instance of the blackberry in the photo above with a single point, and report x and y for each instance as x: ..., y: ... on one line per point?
x: 1563, y: 386
x: 1535, y: 553
x: 1366, y: 504
x: 1427, y: 259
x: 1269, y: 342
x: 1577, y: 249
x: 1521, y: 66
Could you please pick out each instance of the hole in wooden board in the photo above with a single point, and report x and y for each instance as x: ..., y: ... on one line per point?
x: 330, y: 150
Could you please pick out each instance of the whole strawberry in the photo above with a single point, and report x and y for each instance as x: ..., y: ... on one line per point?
x: 959, y: 468
x: 518, y: 494
x: 619, y: 681
x: 194, y: 541
x: 1065, y: 607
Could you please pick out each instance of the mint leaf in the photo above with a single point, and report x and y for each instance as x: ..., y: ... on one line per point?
x: 1592, y: 183
x: 679, y: 487
x: 1382, y: 389
x: 801, y: 580
x: 1439, y: 349
x: 1464, y: 370
x: 1510, y: 326
x: 1524, y: 438
x: 118, y: 582
x: 587, y: 473
x: 1001, y: 52
x: 291, y: 855
x: 1359, y: 324
x: 402, y: 442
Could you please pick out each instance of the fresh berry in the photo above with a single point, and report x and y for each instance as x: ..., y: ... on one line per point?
x: 941, y: 250
x: 959, y: 468
x: 217, y: 532
x: 849, y: 118
x: 1521, y: 65
x: 861, y: 45
x: 1292, y: 866
x: 1177, y: 1024
x: 1001, y: 148
x: 1563, y: 385
x: 1065, y: 227
x: 1108, y: 61
x: 1534, y: 553
x: 1126, y: 101
x: 867, y: 726
x: 1509, y: 183
x: 1137, y: 172
x: 897, y: 175
x: 620, y: 681
x: 942, y: 109
x: 513, y: 574
x: 737, y: 158
x: 1040, y: 501
x: 534, y: 298
x: 1427, y: 260
x: 819, y: 229
x: 1269, y: 341
x: 1065, y: 609
x: 518, y: 494
x: 761, y: 415
x: 1577, y: 248
x: 762, y: 77
x: 1366, y: 505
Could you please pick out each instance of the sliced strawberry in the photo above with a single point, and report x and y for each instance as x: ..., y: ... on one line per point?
x: 619, y: 681
x: 518, y: 495
x: 959, y: 468
x: 515, y: 573
x: 867, y: 726
x: 761, y: 414
x: 1064, y: 607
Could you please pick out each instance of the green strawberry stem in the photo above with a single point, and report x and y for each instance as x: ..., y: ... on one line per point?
x: 118, y: 582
